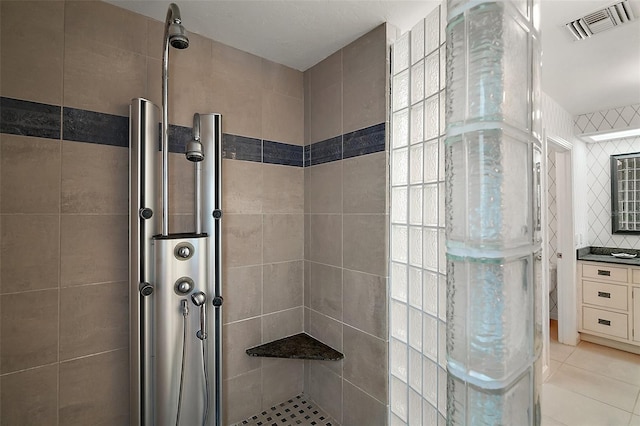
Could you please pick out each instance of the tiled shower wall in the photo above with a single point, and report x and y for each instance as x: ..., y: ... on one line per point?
x: 345, y: 295
x: 417, y: 361
x: 64, y: 206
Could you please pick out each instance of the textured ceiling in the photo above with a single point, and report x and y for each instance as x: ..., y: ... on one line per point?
x: 583, y: 76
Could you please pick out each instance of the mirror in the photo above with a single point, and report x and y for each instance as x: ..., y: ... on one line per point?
x: 625, y: 193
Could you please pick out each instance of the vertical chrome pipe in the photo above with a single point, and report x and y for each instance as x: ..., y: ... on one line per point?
x: 143, y: 224
x: 198, y: 177
x: 165, y: 134
x: 211, y: 139
x: 198, y: 197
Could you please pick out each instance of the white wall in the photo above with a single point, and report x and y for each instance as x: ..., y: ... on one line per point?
x: 598, y: 179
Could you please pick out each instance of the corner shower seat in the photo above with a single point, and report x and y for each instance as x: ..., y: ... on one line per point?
x: 298, y: 346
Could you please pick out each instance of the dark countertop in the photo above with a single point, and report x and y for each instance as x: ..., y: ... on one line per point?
x: 299, y: 346
x: 603, y: 254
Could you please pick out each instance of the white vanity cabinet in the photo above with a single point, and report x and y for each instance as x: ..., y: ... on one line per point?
x: 609, y: 304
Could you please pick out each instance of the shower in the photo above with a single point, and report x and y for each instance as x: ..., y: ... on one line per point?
x: 175, y: 278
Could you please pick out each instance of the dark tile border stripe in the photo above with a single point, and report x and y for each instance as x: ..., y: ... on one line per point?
x: 282, y: 153
x: 28, y: 118
x: 18, y: 117
x: 95, y: 127
x: 326, y: 151
x: 241, y: 148
x: 364, y: 141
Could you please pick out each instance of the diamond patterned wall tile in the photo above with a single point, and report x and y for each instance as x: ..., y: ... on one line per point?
x: 617, y: 118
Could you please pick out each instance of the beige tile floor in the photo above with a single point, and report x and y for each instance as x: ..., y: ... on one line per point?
x: 589, y: 385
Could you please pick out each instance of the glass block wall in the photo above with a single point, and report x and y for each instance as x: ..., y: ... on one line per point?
x: 493, y: 215
x: 417, y: 306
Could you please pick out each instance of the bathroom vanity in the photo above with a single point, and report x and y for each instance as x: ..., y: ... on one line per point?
x: 609, y: 298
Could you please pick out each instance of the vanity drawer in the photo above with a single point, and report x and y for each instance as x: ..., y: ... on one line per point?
x: 606, y: 272
x: 636, y: 276
x: 606, y: 295
x: 605, y: 322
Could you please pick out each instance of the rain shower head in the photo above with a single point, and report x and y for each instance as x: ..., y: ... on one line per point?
x: 178, y: 36
x: 175, y: 32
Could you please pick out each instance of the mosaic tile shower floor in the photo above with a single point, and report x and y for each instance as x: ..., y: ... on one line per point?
x: 296, y: 411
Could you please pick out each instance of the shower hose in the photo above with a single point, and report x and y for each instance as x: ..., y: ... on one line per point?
x: 185, y: 312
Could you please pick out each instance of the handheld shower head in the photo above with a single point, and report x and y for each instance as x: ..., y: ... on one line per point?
x: 194, y: 150
x: 199, y: 299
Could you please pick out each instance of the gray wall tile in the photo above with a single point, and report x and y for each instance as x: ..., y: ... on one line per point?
x: 282, y: 286
x: 29, y: 329
x: 31, y: 397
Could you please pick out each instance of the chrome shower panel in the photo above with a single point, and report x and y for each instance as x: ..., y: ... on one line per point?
x: 171, y: 270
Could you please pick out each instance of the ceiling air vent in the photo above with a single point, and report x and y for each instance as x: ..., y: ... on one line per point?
x: 601, y: 20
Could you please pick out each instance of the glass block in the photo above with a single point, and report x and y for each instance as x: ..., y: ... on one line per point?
x: 429, y: 413
x: 400, y: 90
x: 399, y: 281
x: 417, y: 82
x: 417, y: 164
x: 415, y: 205
x: 499, y: 339
x: 415, y: 246
x: 401, y: 54
x: 442, y: 118
x: 442, y: 251
x: 443, y: 67
x: 442, y: 391
x: 431, y: 117
x: 443, y: 22
x: 417, y: 42
x: 430, y: 292
x: 432, y: 74
x: 396, y: 421
x: 430, y: 249
x: 472, y: 405
x: 442, y: 344
x: 441, y: 204
x: 399, y: 203
x: 399, y: 398
x: 415, y: 328
x: 432, y: 31
x: 415, y: 408
x: 456, y: 73
x: 488, y: 197
x: 415, y: 370
x: 417, y: 123
x: 399, y: 167
x: 430, y: 380
x: 503, y: 69
x: 430, y: 337
x: 430, y: 208
x: 431, y: 161
x: 442, y: 297
x: 536, y: 95
x: 399, y: 243
x: 441, y: 163
x: 398, y: 359
x: 400, y: 135
x: 415, y: 287
x: 398, y: 313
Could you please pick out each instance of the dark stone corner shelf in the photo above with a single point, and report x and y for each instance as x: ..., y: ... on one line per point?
x: 299, y: 346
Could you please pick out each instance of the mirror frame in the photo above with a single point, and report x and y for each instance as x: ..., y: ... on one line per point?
x: 615, y: 214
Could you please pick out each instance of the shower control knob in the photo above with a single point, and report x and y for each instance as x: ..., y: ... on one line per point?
x: 184, y: 252
x: 146, y: 213
x: 183, y: 286
x: 217, y: 301
x: 145, y: 289
x: 217, y: 214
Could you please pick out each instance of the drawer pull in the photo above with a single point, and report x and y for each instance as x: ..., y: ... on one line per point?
x: 604, y: 294
x: 604, y: 272
x: 603, y: 321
